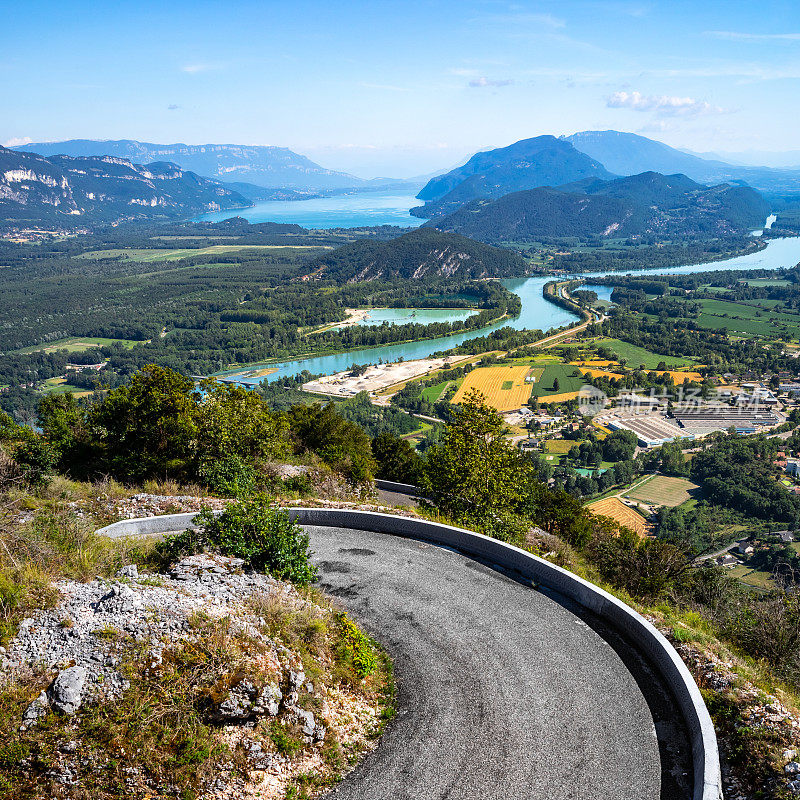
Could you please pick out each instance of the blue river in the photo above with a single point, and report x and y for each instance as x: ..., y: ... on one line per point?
x: 537, y: 312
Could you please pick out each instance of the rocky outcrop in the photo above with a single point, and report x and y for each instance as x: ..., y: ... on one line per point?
x: 81, y: 657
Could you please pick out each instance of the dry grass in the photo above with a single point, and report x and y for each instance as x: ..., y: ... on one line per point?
x: 489, y: 382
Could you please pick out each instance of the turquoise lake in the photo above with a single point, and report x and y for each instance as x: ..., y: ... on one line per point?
x: 341, y: 211
x: 536, y: 313
x: 417, y: 316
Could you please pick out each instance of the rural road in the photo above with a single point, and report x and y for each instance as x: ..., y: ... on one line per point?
x: 504, y: 691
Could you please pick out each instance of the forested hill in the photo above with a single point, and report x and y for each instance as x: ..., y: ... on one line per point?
x: 541, y: 161
x: 82, y: 192
x: 422, y: 253
x: 650, y: 204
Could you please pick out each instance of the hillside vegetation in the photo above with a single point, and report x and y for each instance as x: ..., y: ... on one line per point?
x: 81, y: 192
x: 650, y: 204
x: 423, y: 253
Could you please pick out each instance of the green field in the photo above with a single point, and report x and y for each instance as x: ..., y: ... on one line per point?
x: 634, y: 356
x: 153, y: 255
x: 433, y: 393
x: 76, y: 344
x: 765, y: 282
x: 60, y: 386
x: 559, y: 446
x: 745, y: 318
x: 661, y: 490
x: 752, y: 577
x: 566, y: 382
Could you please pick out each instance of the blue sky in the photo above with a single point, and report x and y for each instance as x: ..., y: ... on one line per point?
x: 401, y: 88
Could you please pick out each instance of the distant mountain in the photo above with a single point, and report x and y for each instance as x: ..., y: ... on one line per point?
x: 86, y: 191
x: 630, y: 154
x: 275, y: 167
x: 422, y: 253
x: 542, y: 161
x: 650, y: 204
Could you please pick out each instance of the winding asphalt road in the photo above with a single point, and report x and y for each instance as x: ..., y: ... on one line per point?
x: 504, y: 692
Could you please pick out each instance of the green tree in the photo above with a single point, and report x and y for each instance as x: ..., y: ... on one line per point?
x: 233, y: 421
x: 476, y: 474
x: 673, y: 461
x: 341, y: 444
x: 397, y: 459
x: 619, y: 445
x: 148, y: 427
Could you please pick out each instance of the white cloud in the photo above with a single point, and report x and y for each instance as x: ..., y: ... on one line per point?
x: 742, y: 36
x: 193, y: 69
x: 664, y: 105
x: 483, y: 81
x: 17, y: 141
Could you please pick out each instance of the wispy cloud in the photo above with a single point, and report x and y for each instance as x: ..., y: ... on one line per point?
x: 193, y: 69
x: 743, y: 36
x: 663, y: 105
x: 17, y: 141
x: 483, y: 81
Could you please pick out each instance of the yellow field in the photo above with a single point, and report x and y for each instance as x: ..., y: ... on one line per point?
x: 593, y: 372
x: 558, y: 398
x: 595, y: 362
x: 618, y: 511
x: 489, y: 381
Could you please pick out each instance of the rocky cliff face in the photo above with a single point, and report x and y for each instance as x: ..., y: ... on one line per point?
x: 68, y: 191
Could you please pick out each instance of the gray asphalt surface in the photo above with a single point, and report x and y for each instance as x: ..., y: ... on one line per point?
x: 396, y: 498
x: 503, y: 691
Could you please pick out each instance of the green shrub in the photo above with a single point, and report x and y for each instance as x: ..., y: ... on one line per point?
x: 302, y: 484
x: 255, y: 530
x: 358, y: 648
x: 231, y: 477
x: 285, y: 743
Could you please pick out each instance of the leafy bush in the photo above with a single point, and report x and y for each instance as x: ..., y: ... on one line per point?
x: 252, y: 529
x: 358, y: 648
x: 229, y: 476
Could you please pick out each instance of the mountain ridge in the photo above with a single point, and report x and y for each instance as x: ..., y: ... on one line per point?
x: 262, y: 165
x: 630, y: 154
x: 539, y: 161
x: 419, y: 254
x: 87, y: 191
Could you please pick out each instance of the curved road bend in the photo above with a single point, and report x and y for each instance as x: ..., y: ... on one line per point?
x: 505, y: 693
